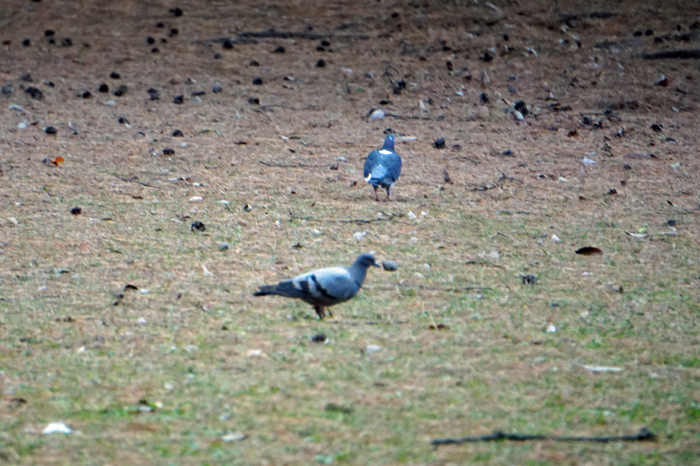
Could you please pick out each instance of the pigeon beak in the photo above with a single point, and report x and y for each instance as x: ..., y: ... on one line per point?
x: 376, y: 264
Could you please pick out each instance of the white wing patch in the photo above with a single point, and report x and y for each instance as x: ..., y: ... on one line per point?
x: 331, y: 271
x: 369, y: 177
x: 385, y: 152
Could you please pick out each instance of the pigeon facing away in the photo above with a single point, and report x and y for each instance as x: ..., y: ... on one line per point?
x: 383, y: 167
x: 323, y: 288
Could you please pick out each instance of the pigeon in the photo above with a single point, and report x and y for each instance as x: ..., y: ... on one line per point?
x: 323, y: 288
x: 383, y: 167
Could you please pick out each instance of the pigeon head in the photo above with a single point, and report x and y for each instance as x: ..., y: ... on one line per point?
x: 389, y: 142
x: 365, y: 261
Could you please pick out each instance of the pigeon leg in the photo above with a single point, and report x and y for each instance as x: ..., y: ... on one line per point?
x: 321, y: 311
x: 376, y: 196
x: 388, y: 192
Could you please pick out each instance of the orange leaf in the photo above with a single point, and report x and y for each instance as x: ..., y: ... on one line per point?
x: 58, y: 161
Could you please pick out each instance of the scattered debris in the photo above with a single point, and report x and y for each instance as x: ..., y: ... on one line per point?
x: 602, y: 369
x: 57, y: 428
x: 198, y: 226
x: 390, y: 266
x: 589, y: 251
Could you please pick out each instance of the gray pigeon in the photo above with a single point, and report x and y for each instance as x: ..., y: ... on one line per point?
x: 324, y: 287
x: 383, y: 167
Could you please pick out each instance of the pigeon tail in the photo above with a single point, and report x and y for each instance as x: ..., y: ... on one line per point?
x: 379, y: 176
x: 286, y: 289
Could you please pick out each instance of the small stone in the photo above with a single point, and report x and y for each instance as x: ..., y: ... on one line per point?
x: 223, y: 246
x: 168, y: 151
x: 26, y: 43
x: 373, y: 349
x: 6, y: 90
x: 34, y: 93
x: 178, y: 134
x: 377, y: 114
x: 218, y: 56
x: 67, y: 42
x: 173, y: 32
x: 150, y: 40
x: 121, y: 90
x: 319, y: 338
x: 49, y: 33
x: 390, y: 266
x: 177, y: 12
x: 254, y: 63
x: 198, y: 226
x: 521, y: 107
x: 227, y: 44
x: 56, y: 427
x: 86, y: 95
x: 216, y: 89
x: 76, y: 211
x: 529, y: 279
x: 153, y: 94
x: 321, y: 63
x: 254, y: 101
x: 233, y: 437
x: 50, y: 130
x: 180, y: 99
x: 257, y: 81
x: 104, y: 88
x: 439, y: 143
x: 114, y: 75
x: 279, y: 49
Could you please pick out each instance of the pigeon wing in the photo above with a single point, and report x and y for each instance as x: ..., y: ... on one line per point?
x: 371, y: 161
x: 332, y: 285
x: 393, y: 164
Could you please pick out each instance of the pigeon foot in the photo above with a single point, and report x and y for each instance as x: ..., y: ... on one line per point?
x: 321, y: 311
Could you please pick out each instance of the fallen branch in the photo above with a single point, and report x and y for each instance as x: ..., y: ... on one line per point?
x: 644, y: 434
x: 369, y: 322
x: 282, y: 165
x: 468, y: 158
x: 682, y: 54
x: 496, y: 184
x: 430, y: 288
x: 414, y: 117
x: 133, y: 179
x: 357, y: 221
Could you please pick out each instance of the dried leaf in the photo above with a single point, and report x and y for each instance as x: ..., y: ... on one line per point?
x: 59, y: 160
x: 589, y: 251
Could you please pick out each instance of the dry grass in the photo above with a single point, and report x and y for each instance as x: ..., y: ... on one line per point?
x: 181, y: 344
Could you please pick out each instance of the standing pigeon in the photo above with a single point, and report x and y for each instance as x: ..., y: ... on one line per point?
x: 324, y: 287
x: 383, y: 167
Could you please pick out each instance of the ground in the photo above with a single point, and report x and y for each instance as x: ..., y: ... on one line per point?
x: 185, y: 366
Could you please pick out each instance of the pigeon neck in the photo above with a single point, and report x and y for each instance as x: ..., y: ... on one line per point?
x: 358, y: 272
